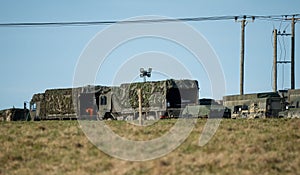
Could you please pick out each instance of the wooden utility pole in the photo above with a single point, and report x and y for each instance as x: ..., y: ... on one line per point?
x: 243, y: 24
x: 275, y: 61
x: 293, y: 54
x: 140, y: 106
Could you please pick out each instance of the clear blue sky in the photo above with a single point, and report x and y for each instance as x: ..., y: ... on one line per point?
x: 35, y: 59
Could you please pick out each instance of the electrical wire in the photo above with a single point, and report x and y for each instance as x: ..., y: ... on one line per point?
x: 284, y: 30
x: 192, y: 19
x: 89, y: 23
x: 272, y: 43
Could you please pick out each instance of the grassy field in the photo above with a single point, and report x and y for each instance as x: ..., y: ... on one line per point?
x: 263, y: 146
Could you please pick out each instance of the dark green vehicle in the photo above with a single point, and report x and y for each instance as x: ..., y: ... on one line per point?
x: 207, y: 108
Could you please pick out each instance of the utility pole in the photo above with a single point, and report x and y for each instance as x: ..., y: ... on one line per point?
x: 243, y: 24
x: 140, y: 106
x: 143, y: 74
x: 242, y: 59
x: 275, y: 61
x: 293, y: 21
x: 293, y: 54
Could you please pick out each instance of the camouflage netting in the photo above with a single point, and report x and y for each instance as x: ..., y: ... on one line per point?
x: 3, y: 115
x: 59, y: 101
x: 154, y: 93
x: 14, y: 114
x: 40, y: 99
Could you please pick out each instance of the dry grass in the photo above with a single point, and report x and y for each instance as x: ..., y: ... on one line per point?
x: 239, y: 147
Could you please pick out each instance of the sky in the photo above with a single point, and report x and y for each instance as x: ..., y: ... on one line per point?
x: 34, y: 59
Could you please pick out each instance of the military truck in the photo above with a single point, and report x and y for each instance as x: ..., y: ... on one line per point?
x: 65, y: 103
x: 207, y: 108
x: 160, y: 99
x: 258, y: 105
x: 290, y: 112
x: 294, y: 97
x: 292, y: 109
x: 14, y: 114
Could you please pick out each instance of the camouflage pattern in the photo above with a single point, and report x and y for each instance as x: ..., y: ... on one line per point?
x: 59, y: 102
x: 54, y: 103
x: 66, y: 103
x: 126, y: 96
x: 14, y: 114
x: 155, y: 95
x: 258, y: 105
x: 39, y: 101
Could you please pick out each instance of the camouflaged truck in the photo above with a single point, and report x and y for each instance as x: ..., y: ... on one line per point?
x: 258, y: 105
x: 160, y: 99
x: 65, y: 103
x: 14, y: 114
x: 292, y: 109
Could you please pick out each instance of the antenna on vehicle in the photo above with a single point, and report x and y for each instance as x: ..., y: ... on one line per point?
x: 144, y: 73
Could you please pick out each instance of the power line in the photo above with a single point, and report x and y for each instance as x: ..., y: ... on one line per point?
x: 196, y: 19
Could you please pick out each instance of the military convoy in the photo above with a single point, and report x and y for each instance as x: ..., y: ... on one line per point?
x: 159, y: 100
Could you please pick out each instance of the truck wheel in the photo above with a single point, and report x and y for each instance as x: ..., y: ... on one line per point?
x: 108, y: 116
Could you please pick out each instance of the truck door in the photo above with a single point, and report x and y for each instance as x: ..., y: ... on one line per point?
x: 87, y: 104
x: 104, y: 104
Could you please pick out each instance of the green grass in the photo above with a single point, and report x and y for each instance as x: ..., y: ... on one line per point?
x: 263, y: 146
